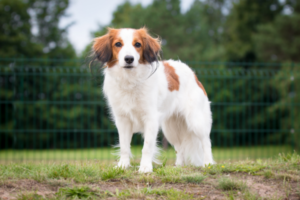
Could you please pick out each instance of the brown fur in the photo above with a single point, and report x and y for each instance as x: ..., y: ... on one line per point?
x: 104, y: 46
x: 106, y: 51
x: 200, y: 85
x: 172, y: 77
x: 150, y: 46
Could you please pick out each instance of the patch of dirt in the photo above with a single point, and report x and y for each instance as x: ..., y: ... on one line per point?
x: 10, y: 189
x: 199, y: 190
x: 265, y: 188
x: 270, y: 188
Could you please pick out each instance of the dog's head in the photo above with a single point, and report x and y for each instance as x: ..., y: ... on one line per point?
x: 126, y: 47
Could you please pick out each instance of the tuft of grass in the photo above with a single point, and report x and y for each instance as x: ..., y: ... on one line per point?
x: 251, y: 196
x: 60, y: 171
x: 77, y: 193
x: 168, y: 171
x: 227, y: 184
x: 171, y: 179
x: 111, y: 173
x: 148, y: 179
x: 289, y: 157
x: 243, y: 167
x: 169, y: 174
x: 196, y: 179
x: 268, y: 174
x: 30, y: 196
x: 231, y: 195
x: 285, y: 176
x: 170, y: 194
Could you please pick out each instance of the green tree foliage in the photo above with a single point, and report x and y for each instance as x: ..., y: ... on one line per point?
x: 19, y: 77
x: 46, y: 15
x: 15, y: 30
x: 18, y: 18
x: 279, y: 41
x: 201, y: 25
x: 242, y: 23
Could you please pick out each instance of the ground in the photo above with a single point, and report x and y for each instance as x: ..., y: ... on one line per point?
x: 277, y: 178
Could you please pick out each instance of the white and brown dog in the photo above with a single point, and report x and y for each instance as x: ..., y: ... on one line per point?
x: 143, y: 100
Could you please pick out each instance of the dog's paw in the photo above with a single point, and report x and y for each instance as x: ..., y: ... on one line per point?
x: 146, y: 168
x: 124, y: 164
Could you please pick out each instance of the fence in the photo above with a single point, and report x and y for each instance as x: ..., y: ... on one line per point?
x: 53, y: 110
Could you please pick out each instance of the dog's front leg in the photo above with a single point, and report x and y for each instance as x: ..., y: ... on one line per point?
x: 148, y: 152
x: 124, y: 126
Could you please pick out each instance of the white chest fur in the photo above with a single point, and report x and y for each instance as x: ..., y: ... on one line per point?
x: 130, y: 98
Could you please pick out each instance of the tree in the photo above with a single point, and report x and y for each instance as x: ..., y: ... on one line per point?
x: 242, y: 23
x: 15, y: 30
x: 194, y: 35
x: 46, y: 15
x: 279, y: 41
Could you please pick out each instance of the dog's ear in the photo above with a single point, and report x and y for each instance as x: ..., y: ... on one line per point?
x: 102, y: 48
x: 152, y: 46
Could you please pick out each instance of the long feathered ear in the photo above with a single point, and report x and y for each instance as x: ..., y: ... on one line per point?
x: 152, y: 46
x: 102, y: 48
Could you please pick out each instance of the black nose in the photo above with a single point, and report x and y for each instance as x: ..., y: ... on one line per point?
x: 129, y: 59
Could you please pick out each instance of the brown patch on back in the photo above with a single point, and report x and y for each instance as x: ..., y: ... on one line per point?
x: 172, y: 77
x: 200, y: 85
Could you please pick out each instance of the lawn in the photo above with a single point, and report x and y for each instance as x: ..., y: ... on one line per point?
x: 277, y: 178
x: 107, y: 154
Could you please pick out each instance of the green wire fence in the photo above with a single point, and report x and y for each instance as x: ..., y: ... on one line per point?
x: 53, y: 110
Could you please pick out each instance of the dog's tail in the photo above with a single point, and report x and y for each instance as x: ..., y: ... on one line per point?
x: 193, y: 151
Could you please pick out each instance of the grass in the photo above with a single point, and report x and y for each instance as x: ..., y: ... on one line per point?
x: 230, y: 184
x: 106, y: 154
x: 30, y: 196
x: 194, y: 178
x: 95, y: 180
x: 171, y: 194
x: 111, y: 173
x: 77, y: 193
x: 268, y: 174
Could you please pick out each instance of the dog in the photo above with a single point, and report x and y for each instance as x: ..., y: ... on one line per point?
x: 145, y: 94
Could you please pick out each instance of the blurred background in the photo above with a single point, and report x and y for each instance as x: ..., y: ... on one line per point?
x: 245, y: 52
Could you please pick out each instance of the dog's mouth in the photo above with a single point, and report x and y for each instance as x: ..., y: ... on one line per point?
x: 128, y: 67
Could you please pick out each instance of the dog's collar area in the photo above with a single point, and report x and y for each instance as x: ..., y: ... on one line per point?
x: 128, y: 67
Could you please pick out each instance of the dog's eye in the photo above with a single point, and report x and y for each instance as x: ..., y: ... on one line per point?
x: 118, y: 44
x: 137, y: 45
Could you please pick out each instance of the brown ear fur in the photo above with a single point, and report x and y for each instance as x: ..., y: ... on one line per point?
x: 102, y: 48
x: 151, y: 46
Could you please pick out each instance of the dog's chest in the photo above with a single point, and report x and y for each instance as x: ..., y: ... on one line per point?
x: 128, y: 100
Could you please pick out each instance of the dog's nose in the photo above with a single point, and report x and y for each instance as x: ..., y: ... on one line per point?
x: 129, y: 59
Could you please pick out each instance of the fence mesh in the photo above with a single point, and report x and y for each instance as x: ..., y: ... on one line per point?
x: 54, y: 110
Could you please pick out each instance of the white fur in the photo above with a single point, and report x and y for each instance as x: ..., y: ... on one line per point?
x: 140, y: 103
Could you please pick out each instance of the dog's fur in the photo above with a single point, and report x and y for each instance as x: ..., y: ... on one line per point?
x: 142, y: 100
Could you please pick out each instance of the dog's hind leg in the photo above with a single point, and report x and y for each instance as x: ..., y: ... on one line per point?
x: 173, y: 129
x: 199, y: 121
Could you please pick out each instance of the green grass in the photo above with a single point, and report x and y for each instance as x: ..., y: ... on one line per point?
x: 30, y: 196
x: 106, y: 154
x: 194, y: 178
x: 111, y: 173
x: 77, y: 193
x: 96, y: 180
x: 171, y: 194
x: 230, y: 184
